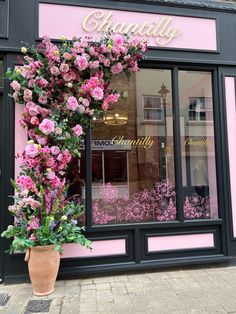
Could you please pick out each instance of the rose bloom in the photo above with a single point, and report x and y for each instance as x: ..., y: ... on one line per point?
x: 85, y: 102
x: 58, y: 131
x: 47, y: 126
x: 81, y: 63
x: 64, y: 68
x: 16, y: 96
x: 72, y: 103
x: 27, y: 95
x: 54, y: 70
x: 33, y: 109
x: 107, y: 63
x: 16, y: 86
x: 41, y: 140
x: 42, y: 100
x: 97, y: 93
x: 81, y: 109
x: 67, y: 77
x: 105, y: 106
x: 78, y: 130
x: 67, y: 56
x: 34, y: 121
x: 118, y: 40
x: 55, y: 150
x: 117, y: 68
x: 31, y: 150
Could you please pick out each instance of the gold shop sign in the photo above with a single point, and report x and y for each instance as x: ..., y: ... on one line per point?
x: 143, y: 142
x: 162, y: 30
x: 196, y: 142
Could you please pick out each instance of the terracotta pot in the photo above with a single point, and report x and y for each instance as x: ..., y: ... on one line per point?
x: 43, y: 265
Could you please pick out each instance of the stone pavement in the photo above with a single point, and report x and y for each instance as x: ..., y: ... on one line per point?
x: 179, y: 291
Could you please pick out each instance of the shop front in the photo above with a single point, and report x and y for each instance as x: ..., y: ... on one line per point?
x: 156, y: 172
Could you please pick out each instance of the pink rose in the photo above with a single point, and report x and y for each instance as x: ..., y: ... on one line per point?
x: 85, y: 102
x: 107, y: 62
x: 42, y: 100
x: 51, y: 175
x: 41, y: 140
x: 117, y: 68
x: 33, y: 109
x: 58, y: 131
x: 64, y: 68
x: 60, y: 157
x: 16, y: 96
x: 105, y: 106
x: 34, y: 121
x: 47, y: 126
x: 118, y: 40
x: 78, y: 130
x: 72, y: 103
x: 31, y: 150
x: 27, y: 95
x: 54, y: 70
x: 97, y: 93
x: 67, y: 56
x: 16, y: 86
x: 55, y: 150
x: 81, y: 63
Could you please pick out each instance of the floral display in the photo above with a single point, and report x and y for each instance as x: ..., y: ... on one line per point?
x: 158, y: 204
x: 61, y: 87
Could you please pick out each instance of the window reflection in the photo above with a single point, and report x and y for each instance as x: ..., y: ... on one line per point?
x: 133, y: 145
x: 197, y: 144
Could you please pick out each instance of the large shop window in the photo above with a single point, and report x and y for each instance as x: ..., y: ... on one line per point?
x: 133, y: 164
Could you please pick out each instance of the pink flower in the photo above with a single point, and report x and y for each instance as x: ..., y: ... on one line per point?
x: 58, y: 131
x: 41, y: 140
x: 16, y: 96
x: 47, y: 126
x: 55, y: 150
x: 81, y: 63
x: 118, y: 40
x: 33, y: 109
x: 42, y: 100
x: 85, y: 102
x: 78, y: 130
x: 54, y: 70
x: 117, y: 68
x: 34, y: 224
x: 25, y: 182
x: 105, y: 106
x: 97, y: 93
x: 31, y: 150
x: 81, y: 109
x: 27, y: 95
x: 34, y: 121
x: 16, y: 86
x: 107, y: 62
x: 51, y: 175
x: 32, y: 237
x: 72, y: 103
x: 64, y: 68
x: 67, y: 56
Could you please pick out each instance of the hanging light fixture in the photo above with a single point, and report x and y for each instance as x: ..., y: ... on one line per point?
x: 115, y: 118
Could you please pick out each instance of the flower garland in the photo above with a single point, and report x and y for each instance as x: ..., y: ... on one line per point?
x: 61, y: 88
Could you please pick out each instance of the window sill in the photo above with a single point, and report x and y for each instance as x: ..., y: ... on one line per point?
x: 152, y: 122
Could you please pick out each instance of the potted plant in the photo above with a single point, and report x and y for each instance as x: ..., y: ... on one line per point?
x: 61, y: 87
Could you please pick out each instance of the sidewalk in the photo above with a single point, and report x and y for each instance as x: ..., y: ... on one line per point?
x: 180, y: 291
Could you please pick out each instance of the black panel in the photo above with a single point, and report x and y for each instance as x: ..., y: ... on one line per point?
x: 4, y: 18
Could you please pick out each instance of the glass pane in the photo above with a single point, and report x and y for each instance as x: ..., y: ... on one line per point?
x: 136, y: 154
x: 1, y: 73
x: 198, y: 145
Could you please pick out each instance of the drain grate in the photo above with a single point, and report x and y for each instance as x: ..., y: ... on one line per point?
x: 4, y: 298
x: 38, y: 306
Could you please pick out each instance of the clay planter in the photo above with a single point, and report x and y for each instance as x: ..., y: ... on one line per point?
x: 43, y: 265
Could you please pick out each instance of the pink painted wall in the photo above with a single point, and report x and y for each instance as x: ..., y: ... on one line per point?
x: 193, y: 33
x: 231, y: 126
x: 177, y: 242
x: 20, y: 137
x: 99, y: 248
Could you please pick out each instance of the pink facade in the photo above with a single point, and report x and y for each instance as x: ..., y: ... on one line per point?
x: 20, y: 137
x: 99, y: 248
x: 160, y: 30
x: 231, y: 127
x: 180, y: 242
